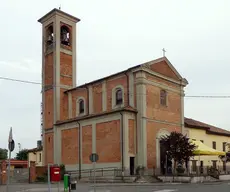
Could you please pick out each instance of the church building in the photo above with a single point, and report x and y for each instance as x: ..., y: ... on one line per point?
x: 120, y: 117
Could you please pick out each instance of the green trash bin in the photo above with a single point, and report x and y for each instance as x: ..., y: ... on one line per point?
x: 66, y: 182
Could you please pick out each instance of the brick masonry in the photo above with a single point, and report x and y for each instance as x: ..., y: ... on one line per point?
x: 87, y: 139
x: 3, y: 176
x: 97, y: 98
x: 49, y: 156
x: 32, y: 170
x: 69, y: 146
x: 131, y: 136
x: 108, y: 141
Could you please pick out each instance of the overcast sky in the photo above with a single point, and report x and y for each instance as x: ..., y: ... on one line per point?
x: 112, y: 36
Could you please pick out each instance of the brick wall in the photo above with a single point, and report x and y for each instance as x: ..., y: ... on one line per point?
x: 69, y: 147
x: 75, y: 95
x: 108, y: 140
x: 110, y: 84
x: 49, y: 156
x: 97, y: 98
x: 86, y: 143
x: 131, y: 136
x: 66, y: 69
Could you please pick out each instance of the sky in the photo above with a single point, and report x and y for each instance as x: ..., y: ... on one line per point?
x: 113, y: 36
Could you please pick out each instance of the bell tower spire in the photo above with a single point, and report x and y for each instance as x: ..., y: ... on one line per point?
x: 58, y: 73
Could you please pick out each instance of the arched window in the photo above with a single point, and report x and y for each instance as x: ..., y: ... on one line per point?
x: 119, y: 98
x: 50, y: 35
x: 65, y: 35
x: 81, y: 106
x: 163, y: 97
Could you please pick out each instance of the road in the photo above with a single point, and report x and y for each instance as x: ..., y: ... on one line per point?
x: 221, y: 187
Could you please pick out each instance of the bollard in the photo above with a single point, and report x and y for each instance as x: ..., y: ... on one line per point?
x: 66, y: 182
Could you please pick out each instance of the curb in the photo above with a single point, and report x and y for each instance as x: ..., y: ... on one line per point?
x: 134, y: 184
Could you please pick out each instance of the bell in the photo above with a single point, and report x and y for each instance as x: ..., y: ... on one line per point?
x: 65, y: 38
x: 50, y: 39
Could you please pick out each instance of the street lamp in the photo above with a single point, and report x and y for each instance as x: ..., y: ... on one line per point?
x: 19, y: 146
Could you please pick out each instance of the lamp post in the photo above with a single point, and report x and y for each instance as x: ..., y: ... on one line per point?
x: 19, y: 146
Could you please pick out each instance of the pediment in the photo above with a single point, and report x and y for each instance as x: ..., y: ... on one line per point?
x: 164, y: 67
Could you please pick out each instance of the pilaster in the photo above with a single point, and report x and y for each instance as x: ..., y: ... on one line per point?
x: 70, y: 105
x: 126, y: 140
x: 90, y: 100
x: 131, y: 89
x: 94, y: 149
x: 141, y: 121
x: 104, y: 96
x: 182, y: 110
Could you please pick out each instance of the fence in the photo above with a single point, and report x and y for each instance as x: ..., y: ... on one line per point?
x: 99, y: 172
x: 19, y: 175
x: 191, y: 171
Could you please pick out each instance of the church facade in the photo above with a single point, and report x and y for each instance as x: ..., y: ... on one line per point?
x: 120, y: 117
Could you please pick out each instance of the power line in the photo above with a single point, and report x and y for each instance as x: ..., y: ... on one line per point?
x: 18, y: 80
x: 188, y: 96
x: 209, y: 96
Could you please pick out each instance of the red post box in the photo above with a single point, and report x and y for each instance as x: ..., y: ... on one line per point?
x: 55, y: 174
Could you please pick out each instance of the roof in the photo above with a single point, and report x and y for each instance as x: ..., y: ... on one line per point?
x: 57, y: 11
x: 104, y: 78
x: 130, y: 69
x: 127, y: 109
x: 16, y: 162
x: 34, y: 150
x: 210, y: 129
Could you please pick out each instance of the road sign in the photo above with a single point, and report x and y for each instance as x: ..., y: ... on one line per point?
x: 94, y: 157
x: 11, y: 145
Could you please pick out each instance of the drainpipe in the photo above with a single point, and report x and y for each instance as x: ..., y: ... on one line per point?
x: 122, y: 145
x: 79, y: 149
x: 127, y: 88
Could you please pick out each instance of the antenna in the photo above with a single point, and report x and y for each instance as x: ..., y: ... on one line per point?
x: 60, y: 7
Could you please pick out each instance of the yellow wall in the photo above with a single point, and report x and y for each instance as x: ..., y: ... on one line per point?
x: 199, y: 134
x: 37, y: 157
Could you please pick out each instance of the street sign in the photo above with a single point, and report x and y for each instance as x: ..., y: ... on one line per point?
x: 94, y: 157
x: 11, y: 145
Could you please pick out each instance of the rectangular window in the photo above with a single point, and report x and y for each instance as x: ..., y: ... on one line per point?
x: 224, y: 146
x: 201, y: 167
x: 40, y: 157
x: 214, y: 164
x: 214, y: 145
x: 193, y: 165
x: 224, y: 166
x: 163, y: 97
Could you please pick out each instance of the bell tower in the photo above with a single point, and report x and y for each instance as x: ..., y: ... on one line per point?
x: 58, y: 75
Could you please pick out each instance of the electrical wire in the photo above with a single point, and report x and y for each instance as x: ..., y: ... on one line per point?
x: 188, y: 96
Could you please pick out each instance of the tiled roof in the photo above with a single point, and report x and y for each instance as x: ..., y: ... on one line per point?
x: 34, y: 150
x: 191, y: 123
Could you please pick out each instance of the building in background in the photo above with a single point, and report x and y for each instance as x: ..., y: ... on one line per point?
x: 36, y: 155
x: 211, y: 136
x: 17, y: 164
x: 120, y: 117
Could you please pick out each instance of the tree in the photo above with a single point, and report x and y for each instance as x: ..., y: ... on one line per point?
x: 178, y: 147
x: 3, y: 154
x: 22, y: 155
